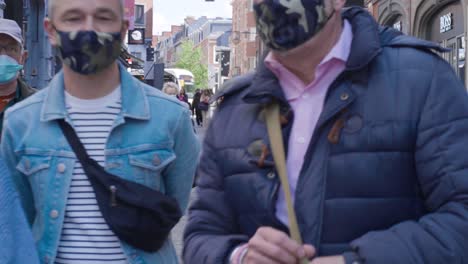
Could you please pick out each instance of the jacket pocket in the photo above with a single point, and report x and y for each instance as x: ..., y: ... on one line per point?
x: 148, y: 166
x: 29, y: 165
x: 36, y: 169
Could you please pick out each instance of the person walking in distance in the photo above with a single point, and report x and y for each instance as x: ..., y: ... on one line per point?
x: 195, y: 109
x: 12, y: 58
x: 204, y: 106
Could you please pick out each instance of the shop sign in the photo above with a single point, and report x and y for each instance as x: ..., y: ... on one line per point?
x: 446, y: 23
x: 397, y: 26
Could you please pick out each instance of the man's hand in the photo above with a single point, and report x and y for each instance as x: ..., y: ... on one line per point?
x: 329, y: 260
x: 271, y: 246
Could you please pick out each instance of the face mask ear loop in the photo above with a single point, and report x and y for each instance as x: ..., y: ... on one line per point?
x: 54, y: 28
x: 331, y: 15
x: 328, y: 18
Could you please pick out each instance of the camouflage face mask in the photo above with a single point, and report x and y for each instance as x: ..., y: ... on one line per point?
x: 286, y: 24
x: 89, y: 52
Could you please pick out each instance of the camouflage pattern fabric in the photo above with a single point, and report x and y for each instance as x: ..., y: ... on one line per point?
x: 89, y: 52
x: 286, y: 24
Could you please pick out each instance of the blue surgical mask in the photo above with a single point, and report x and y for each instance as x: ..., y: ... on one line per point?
x: 9, y: 69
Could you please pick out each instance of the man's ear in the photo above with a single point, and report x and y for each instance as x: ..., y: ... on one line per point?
x: 51, y: 32
x: 24, y: 57
x: 124, y: 30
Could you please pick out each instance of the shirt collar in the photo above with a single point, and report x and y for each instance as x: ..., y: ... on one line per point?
x: 135, y: 102
x: 342, y: 48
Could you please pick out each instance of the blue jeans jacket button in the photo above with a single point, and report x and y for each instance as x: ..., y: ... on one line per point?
x: 54, y: 214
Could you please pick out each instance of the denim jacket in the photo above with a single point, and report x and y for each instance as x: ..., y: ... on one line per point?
x: 151, y: 142
x: 17, y: 242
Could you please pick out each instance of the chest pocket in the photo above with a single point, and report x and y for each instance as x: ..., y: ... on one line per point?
x: 37, y: 169
x: 30, y: 165
x: 148, y: 166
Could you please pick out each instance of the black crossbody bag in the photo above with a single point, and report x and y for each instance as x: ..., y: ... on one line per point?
x: 138, y: 215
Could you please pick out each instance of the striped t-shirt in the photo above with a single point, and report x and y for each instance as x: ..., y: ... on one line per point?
x: 85, y: 237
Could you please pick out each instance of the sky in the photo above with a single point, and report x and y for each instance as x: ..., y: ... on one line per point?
x: 173, y: 12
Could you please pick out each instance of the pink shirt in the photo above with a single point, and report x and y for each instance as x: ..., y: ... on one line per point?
x: 307, y: 102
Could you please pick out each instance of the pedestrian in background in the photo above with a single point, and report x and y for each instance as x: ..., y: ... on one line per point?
x: 195, y: 109
x: 375, y: 127
x: 182, y: 96
x: 17, y: 241
x: 204, y: 106
x: 12, y: 58
x: 118, y: 173
x: 170, y: 88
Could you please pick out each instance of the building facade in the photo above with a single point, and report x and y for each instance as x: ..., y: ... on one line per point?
x: 143, y: 24
x: 41, y: 65
x: 441, y: 21
x: 140, y: 35
x: 211, y: 35
x: 245, y: 44
x: 43, y: 62
x: 168, y: 44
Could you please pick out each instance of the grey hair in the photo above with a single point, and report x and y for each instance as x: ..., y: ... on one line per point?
x: 170, y: 85
x: 50, y: 7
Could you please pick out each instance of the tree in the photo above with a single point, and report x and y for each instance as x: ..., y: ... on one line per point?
x: 190, y: 58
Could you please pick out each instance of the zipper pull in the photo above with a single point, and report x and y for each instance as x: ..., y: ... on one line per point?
x: 113, y: 190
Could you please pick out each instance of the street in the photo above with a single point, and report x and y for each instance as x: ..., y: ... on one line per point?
x: 178, y: 231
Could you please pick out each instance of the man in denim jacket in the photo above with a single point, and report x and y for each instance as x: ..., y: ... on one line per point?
x: 132, y: 130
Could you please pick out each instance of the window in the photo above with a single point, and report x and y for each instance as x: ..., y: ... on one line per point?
x: 461, y: 57
x: 217, y: 56
x: 252, y: 63
x: 139, y: 15
x: 252, y: 34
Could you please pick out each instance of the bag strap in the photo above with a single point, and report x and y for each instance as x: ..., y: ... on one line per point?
x: 74, y: 141
x: 272, y: 116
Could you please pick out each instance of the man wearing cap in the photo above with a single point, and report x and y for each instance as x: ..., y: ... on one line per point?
x: 12, y: 58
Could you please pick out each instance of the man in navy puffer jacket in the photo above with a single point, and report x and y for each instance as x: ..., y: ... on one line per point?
x: 385, y: 173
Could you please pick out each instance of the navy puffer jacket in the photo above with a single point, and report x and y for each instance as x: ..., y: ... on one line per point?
x: 386, y: 172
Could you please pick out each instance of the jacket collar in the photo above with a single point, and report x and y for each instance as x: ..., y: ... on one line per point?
x: 135, y: 103
x: 366, y: 43
x: 23, y: 91
x: 364, y: 48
